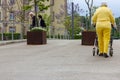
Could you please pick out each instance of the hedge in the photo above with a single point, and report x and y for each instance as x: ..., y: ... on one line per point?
x: 8, y: 36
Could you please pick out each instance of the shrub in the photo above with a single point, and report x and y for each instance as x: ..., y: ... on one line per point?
x: 8, y: 36
x: 38, y: 29
x: 77, y: 36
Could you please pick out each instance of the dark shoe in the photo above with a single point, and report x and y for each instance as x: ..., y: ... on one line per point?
x: 101, y: 54
x: 105, y: 55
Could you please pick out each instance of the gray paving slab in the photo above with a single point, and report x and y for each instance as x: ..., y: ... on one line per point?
x: 57, y: 60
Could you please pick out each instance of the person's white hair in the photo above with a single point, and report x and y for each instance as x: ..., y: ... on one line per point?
x: 104, y: 3
x: 31, y: 13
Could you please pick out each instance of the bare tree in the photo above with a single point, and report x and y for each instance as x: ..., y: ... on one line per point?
x: 89, y: 5
x: 94, y: 9
x: 77, y: 9
x: 21, y: 15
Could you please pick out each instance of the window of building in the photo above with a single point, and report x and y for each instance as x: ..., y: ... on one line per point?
x: 0, y: 29
x: 0, y: 2
x: 37, y: 8
x: 25, y: 1
x: 12, y: 2
x: 0, y: 16
x: 11, y: 16
x: 52, y: 2
x: 53, y: 16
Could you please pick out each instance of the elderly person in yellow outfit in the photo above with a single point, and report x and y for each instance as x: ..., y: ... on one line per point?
x: 103, y: 19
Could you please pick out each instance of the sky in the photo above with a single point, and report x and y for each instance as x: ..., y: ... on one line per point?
x: 114, y: 5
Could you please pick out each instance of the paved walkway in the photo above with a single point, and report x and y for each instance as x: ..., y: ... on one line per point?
x: 57, y: 60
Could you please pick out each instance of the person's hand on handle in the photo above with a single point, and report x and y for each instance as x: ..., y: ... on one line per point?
x: 115, y: 26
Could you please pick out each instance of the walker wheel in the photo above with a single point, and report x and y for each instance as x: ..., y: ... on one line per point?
x: 93, y: 51
x: 97, y: 51
x: 111, y: 53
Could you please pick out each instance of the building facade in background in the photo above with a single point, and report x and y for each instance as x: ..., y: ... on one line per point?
x: 58, y: 12
x: 14, y: 19
x: 12, y: 16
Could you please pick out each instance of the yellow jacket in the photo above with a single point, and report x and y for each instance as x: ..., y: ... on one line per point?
x: 103, y: 13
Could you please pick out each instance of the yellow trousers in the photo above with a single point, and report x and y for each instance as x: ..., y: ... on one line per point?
x: 103, y: 30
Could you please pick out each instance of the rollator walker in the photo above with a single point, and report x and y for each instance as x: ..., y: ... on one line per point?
x: 96, y: 48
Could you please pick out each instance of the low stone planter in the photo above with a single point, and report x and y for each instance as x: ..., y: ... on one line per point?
x: 36, y: 37
x: 88, y: 37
